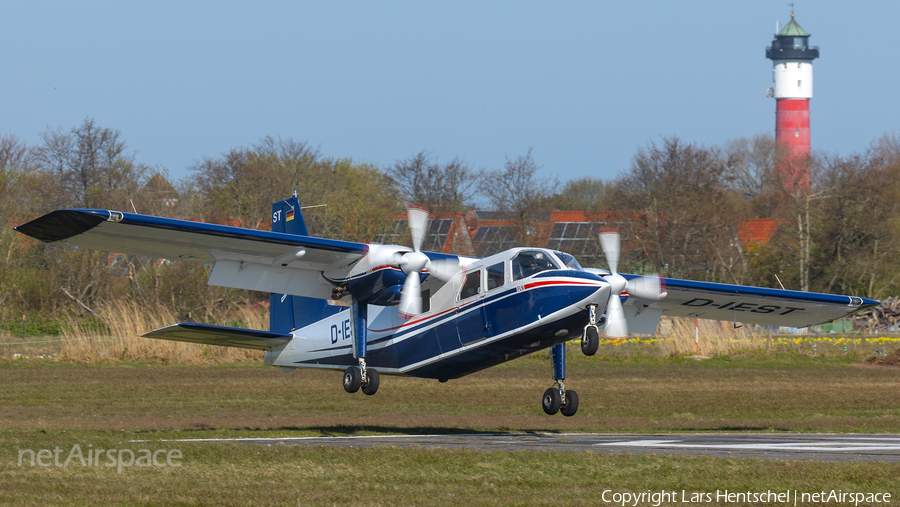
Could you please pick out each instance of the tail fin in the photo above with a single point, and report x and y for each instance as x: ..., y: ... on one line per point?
x: 286, y: 312
x: 287, y: 217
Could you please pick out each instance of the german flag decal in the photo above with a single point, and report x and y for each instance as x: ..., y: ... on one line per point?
x: 290, y: 216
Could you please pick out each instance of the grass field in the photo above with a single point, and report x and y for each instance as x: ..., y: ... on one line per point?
x: 47, y: 404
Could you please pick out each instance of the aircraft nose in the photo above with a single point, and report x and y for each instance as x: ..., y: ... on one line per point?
x: 600, y: 296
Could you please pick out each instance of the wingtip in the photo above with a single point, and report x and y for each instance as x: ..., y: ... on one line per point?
x: 60, y: 225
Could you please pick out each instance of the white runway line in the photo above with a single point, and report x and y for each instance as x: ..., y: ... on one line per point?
x: 791, y: 446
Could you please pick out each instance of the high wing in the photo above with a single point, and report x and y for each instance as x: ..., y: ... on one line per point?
x: 741, y: 303
x: 244, y: 258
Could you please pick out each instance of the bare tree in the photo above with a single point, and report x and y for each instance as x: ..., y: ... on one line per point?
x: 18, y: 175
x: 440, y: 188
x: 517, y: 189
x: 243, y: 182
x: 90, y: 166
x: 684, y: 217
x: 750, y: 170
x: 798, y: 180
x: 857, y: 223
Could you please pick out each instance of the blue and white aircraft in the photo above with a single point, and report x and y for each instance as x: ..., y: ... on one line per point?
x: 368, y: 309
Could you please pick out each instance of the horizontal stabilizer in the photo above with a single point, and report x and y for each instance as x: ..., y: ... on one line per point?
x: 219, y: 335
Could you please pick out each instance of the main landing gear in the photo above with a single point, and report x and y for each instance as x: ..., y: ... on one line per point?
x: 558, y: 399
x: 590, y: 340
x: 360, y: 376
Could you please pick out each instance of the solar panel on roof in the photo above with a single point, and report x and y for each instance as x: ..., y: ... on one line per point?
x: 584, y: 231
x: 492, y: 239
x: 392, y: 232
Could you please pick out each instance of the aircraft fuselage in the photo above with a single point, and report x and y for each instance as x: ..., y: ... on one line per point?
x: 451, y: 341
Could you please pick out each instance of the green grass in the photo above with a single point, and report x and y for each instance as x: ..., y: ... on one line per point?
x: 766, y: 393
x: 238, y: 474
x: 44, y: 404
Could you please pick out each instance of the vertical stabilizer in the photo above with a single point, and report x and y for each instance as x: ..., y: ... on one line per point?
x: 287, y: 217
x: 287, y: 313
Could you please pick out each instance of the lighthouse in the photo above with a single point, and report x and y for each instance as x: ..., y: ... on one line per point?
x: 792, y: 76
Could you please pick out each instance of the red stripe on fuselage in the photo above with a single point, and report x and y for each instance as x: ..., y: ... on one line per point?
x: 558, y: 282
x: 386, y: 266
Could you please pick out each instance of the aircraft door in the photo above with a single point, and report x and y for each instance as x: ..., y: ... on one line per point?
x: 470, y: 309
x: 499, y: 313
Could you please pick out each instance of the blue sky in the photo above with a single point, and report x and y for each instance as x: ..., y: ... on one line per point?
x: 583, y: 83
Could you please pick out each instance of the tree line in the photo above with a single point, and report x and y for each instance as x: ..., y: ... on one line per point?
x: 683, y: 204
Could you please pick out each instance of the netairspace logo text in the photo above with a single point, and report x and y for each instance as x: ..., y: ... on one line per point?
x: 791, y: 497
x: 119, y: 458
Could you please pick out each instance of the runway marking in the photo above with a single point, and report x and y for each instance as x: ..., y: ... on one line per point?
x: 789, y: 446
x: 887, y: 447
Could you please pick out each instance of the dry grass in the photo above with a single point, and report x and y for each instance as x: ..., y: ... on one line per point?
x: 678, y: 336
x: 124, y: 324
x: 115, y: 336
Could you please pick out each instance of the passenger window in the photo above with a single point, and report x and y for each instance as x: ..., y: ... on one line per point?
x: 495, y: 276
x: 426, y: 300
x: 471, y: 285
x: 530, y: 262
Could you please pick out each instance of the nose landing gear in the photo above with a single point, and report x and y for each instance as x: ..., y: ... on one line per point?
x: 590, y: 340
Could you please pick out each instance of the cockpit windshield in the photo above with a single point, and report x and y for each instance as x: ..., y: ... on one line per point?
x: 570, y: 261
x: 530, y: 262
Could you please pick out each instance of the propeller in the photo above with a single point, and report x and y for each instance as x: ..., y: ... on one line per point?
x: 644, y: 287
x: 413, y: 263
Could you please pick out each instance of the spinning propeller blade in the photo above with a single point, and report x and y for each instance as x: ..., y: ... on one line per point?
x: 411, y: 296
x: 413, y: 263
x: 616, y: 325
x: 644, y: 287
x: 443, y: 269
x: 611, y: 243
x: 418, y: 224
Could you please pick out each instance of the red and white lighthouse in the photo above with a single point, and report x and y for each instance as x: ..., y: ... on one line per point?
x: 792, y: 75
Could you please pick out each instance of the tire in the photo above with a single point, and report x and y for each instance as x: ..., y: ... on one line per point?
x: 571, y: 404
x: 372, y: 381
x: 551, y: 401
x: 590, y: 342
x: 352, y: 379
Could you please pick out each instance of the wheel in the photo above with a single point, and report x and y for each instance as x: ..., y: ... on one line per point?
x: 571, y: 405
x: 352, y: 379
x: 372, y: 380
x: 551, y: 401
x: 590, y: 342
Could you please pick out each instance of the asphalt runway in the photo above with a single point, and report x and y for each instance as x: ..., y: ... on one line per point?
x: 803, y: 446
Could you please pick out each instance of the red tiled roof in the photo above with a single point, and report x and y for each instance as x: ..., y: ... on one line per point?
x: 756, y: 231
x: 586, y: 216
